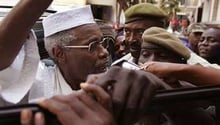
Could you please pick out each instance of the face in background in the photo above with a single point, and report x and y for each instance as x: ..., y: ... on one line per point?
x: 209, y: 45
x: 194, y: 38
x: 120, y: 46
x: 133, y: 34
x: 184, y: 23
x: 154, y: 52
x: 79, y: 62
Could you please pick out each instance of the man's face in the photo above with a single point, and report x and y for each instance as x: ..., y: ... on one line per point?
x: 184, y: 23
x: 194, y: 38
x: 120, y: 47
x: 209, y: 44
x: 133, y: 34
x: 153, y: 52
x: 80, y: 61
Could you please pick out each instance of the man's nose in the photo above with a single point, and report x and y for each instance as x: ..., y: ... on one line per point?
x: 132, y: 37
x: 103, y: 52
x: 204, y: 42
x: 122, y: 48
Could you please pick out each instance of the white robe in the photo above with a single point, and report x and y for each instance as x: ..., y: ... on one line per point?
x: 49, y: 82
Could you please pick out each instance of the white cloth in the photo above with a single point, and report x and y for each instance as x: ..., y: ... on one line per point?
x: 17, y: 79
x: 127, y: 57
x: 49, y: 82
x: 28, y: 77
x: 197, y: 60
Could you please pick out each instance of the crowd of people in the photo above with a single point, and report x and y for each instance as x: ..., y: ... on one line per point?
x: 84, y: 86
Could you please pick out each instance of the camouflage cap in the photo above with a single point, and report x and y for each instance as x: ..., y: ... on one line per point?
x: 197, y: 27
x: 144, y: 11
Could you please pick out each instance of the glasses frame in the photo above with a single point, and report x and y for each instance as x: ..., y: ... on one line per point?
x: 89, y: 46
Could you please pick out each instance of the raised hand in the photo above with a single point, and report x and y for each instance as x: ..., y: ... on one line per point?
x: 131, y: 91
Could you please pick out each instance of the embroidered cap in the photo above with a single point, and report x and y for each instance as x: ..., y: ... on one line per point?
x: 68, y: 19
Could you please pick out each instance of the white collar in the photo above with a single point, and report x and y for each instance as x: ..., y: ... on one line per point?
x: 61, y: 86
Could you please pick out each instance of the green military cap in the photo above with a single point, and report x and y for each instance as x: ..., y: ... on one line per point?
x: 144, y: 11
x: 167, y: 40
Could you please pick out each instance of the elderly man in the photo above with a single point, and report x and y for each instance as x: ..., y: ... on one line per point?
x: 76, y: 56
x: 138, y: 18
x: 209, y: 45
x: 195, y: 31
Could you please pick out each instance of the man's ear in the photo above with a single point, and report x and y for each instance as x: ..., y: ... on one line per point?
x: 59, y: 55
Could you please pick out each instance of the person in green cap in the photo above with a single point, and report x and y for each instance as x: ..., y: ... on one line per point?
x: 138, y: 18
x: 161, y: 46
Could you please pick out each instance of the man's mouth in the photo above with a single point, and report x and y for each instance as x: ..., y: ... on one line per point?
x: 102, y: 66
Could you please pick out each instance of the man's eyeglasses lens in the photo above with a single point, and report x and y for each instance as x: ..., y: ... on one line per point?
x: 94, y: 45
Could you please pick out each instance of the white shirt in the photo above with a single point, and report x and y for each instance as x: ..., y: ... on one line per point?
x: 49, y: 82
x: 126, y: 57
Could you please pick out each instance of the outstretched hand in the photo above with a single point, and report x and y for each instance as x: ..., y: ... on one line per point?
x: 131, y: 91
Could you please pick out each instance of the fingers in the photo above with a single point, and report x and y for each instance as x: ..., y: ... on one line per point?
x: 64, y: 112
x: 96, y: 111
x: 73, y: 101
x: 92, y: 77
x: 39, y: 119
x: 26, y: 117
x: 136, y: 92
x: 107, y: 79
x: 146, y: 66
x: 100, y: 94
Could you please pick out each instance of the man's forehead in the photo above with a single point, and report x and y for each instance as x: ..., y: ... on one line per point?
x: 86, y: 34
x: 212, y: 32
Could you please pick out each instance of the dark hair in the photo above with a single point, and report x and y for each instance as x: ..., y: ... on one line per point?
x: 120, y: 32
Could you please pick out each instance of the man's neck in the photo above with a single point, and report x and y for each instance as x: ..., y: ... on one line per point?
x: 70, y: 80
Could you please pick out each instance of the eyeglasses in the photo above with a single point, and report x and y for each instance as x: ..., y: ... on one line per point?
x: 92, y: 46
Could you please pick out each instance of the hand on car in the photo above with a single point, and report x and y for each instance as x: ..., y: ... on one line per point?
x: 131, y: 91
x: 77, y: 108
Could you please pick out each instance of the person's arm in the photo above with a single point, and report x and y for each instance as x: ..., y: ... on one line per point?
x: 14, y: 28
x: 195, y: 74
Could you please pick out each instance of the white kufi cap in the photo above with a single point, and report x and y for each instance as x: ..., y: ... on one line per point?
x: 64, y: 20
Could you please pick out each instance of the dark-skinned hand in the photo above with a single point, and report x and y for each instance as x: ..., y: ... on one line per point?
x: 131, y: 91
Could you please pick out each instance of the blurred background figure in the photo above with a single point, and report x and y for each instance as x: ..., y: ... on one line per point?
x: 195, y: 31
x: 120, y: 48
x: 174, y: 24
x: 184, y: 25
